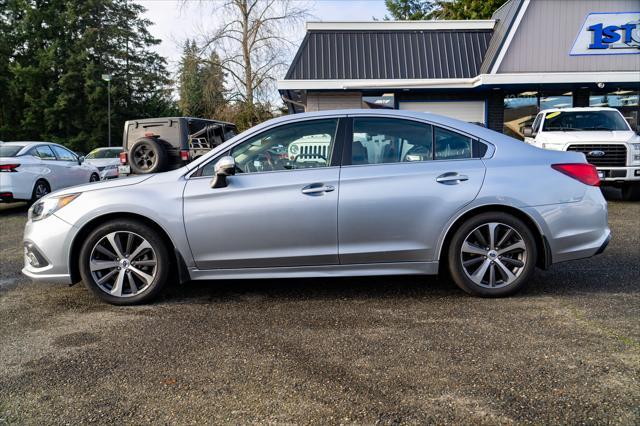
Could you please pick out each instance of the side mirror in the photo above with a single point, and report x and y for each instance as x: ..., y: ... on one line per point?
x: 528, y: 132
x: 81, y: 159
x: 226, y: 166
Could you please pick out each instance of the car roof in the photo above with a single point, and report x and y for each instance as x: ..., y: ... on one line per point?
x: 579, y: 109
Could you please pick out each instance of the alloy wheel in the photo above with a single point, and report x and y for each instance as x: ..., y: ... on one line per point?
x: 41, y: 190
x: 144, y: 157
x: 493, y: 255
x: 123, y: 264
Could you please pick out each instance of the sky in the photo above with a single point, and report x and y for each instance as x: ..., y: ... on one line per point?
x: 174, y: 20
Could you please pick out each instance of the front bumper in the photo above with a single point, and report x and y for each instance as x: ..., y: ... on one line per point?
x: 50, y: 239
x: 620, y: 174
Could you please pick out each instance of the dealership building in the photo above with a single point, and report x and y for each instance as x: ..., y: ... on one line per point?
x: 532, y: 55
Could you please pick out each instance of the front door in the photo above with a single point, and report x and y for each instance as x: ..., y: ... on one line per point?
x: 398, y: 193
x: 279, y: 210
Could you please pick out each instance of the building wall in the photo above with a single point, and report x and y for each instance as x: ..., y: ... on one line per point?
x: 546, y: 35
x: 327, y: 101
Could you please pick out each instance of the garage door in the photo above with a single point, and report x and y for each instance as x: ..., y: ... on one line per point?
x: 471, y: 111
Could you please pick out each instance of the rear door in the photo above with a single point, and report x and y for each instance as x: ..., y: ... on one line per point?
x: 279, y: 210
x: 397, y: 192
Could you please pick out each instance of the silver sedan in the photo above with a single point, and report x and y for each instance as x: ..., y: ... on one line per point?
x: 336, y: 193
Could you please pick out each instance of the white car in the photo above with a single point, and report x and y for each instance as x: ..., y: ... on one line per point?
x: 30, y: 170
x: 601, y: 134
x: 106, y: 160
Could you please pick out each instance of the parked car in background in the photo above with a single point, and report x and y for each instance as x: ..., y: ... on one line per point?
x: 31, y: 170
x: 106, y: 161
x: 441, y: 194
x: 601, y: 134
x: 155, y: 145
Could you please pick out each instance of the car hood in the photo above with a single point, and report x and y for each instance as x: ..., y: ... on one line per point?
x: 589, y: 137
x: 126, y: 181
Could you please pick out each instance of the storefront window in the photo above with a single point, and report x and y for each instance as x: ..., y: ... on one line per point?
x: 562, y: 100
x: 519, y: 111
x: 625, y: 100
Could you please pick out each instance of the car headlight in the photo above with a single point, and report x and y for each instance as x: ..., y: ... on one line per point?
x: 635, y: 146
x: 294, y: 149
x: 110, y: 167
x: 46, y: 207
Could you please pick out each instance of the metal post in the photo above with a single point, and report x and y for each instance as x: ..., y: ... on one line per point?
x: 107, y: 78
x: 109, y: 108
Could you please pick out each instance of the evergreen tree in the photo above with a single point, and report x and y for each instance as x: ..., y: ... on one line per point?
x: 465, y: 9
x: 58, y: 50
x: 408, y: 10
x: 190, y: 82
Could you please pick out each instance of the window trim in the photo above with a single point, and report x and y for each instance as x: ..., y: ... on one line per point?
x: 337, y: 147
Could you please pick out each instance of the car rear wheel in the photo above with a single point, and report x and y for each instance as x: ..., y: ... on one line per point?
x: 124, y: 262
x: 492, y: 255
x: 40, y: 189
x: 147, y: 155
x: 631, y: 192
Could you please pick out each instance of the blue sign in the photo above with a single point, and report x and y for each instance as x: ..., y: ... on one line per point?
x: 608, y: 33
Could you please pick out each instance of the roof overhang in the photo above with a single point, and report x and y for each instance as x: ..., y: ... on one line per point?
x: 462, y: 83
x: 484, y: 24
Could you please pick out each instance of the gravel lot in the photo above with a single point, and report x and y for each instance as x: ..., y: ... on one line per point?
x: 387, y: 350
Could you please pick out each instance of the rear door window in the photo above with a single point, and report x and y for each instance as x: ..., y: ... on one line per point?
x: 43, y: 152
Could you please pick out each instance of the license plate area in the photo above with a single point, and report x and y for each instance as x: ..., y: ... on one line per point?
x: 124, y: 170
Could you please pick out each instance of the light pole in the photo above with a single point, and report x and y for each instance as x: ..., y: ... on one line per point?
x: 107, y: 78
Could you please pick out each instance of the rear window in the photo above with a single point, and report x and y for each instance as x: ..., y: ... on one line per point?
x: 10, y: 150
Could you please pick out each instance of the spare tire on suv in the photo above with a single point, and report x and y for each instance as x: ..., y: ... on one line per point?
x: 147, y: 155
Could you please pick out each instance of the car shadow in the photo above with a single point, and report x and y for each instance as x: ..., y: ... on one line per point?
x: 15, y: 209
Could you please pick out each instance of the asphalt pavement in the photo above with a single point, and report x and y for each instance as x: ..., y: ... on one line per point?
x: 384, y: 350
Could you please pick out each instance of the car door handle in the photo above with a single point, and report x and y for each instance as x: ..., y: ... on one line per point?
x: 317, y: 188
x: 451, y: 178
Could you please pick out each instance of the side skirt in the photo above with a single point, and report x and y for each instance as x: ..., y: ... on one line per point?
x: 365, y: 269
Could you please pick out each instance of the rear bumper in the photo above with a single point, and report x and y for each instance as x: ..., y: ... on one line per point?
x: 574, y: 230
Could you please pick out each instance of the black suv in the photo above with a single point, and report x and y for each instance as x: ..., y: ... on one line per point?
x: 153, y: 145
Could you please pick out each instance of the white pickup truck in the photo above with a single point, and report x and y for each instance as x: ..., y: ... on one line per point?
x: 602, y: 134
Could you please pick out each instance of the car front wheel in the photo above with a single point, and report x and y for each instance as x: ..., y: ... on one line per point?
x: 124, y: 262
x: 492, y: 255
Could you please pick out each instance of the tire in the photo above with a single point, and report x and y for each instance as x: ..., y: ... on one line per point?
x: 40, y: 189
x: 147, y: 155
x: 466, y: 265
x: 94, y: 178
x: 147, y: 265
x: 631, y: 192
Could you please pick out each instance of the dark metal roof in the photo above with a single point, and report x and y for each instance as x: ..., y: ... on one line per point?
x: 427, y: 54
x: 505, y: 17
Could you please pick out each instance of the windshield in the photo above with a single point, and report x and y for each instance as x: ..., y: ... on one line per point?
x: 104, y: 153
x: 9, y: 150
x: 584, y: 120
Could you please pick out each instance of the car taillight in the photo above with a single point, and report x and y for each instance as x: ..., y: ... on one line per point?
x: 585, y: 173
x: 184, y: 154
x: 123, y: 158
x: 9, y: 167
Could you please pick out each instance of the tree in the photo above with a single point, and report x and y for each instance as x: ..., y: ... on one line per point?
x: 408, y: 10
x: 253, y: 49
x: 58, y: 50
x: 465, y: 9
x: 190, y: 81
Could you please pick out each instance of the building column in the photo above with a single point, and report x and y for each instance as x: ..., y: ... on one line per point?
x: 495, y: 110
x: 581, y: 98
